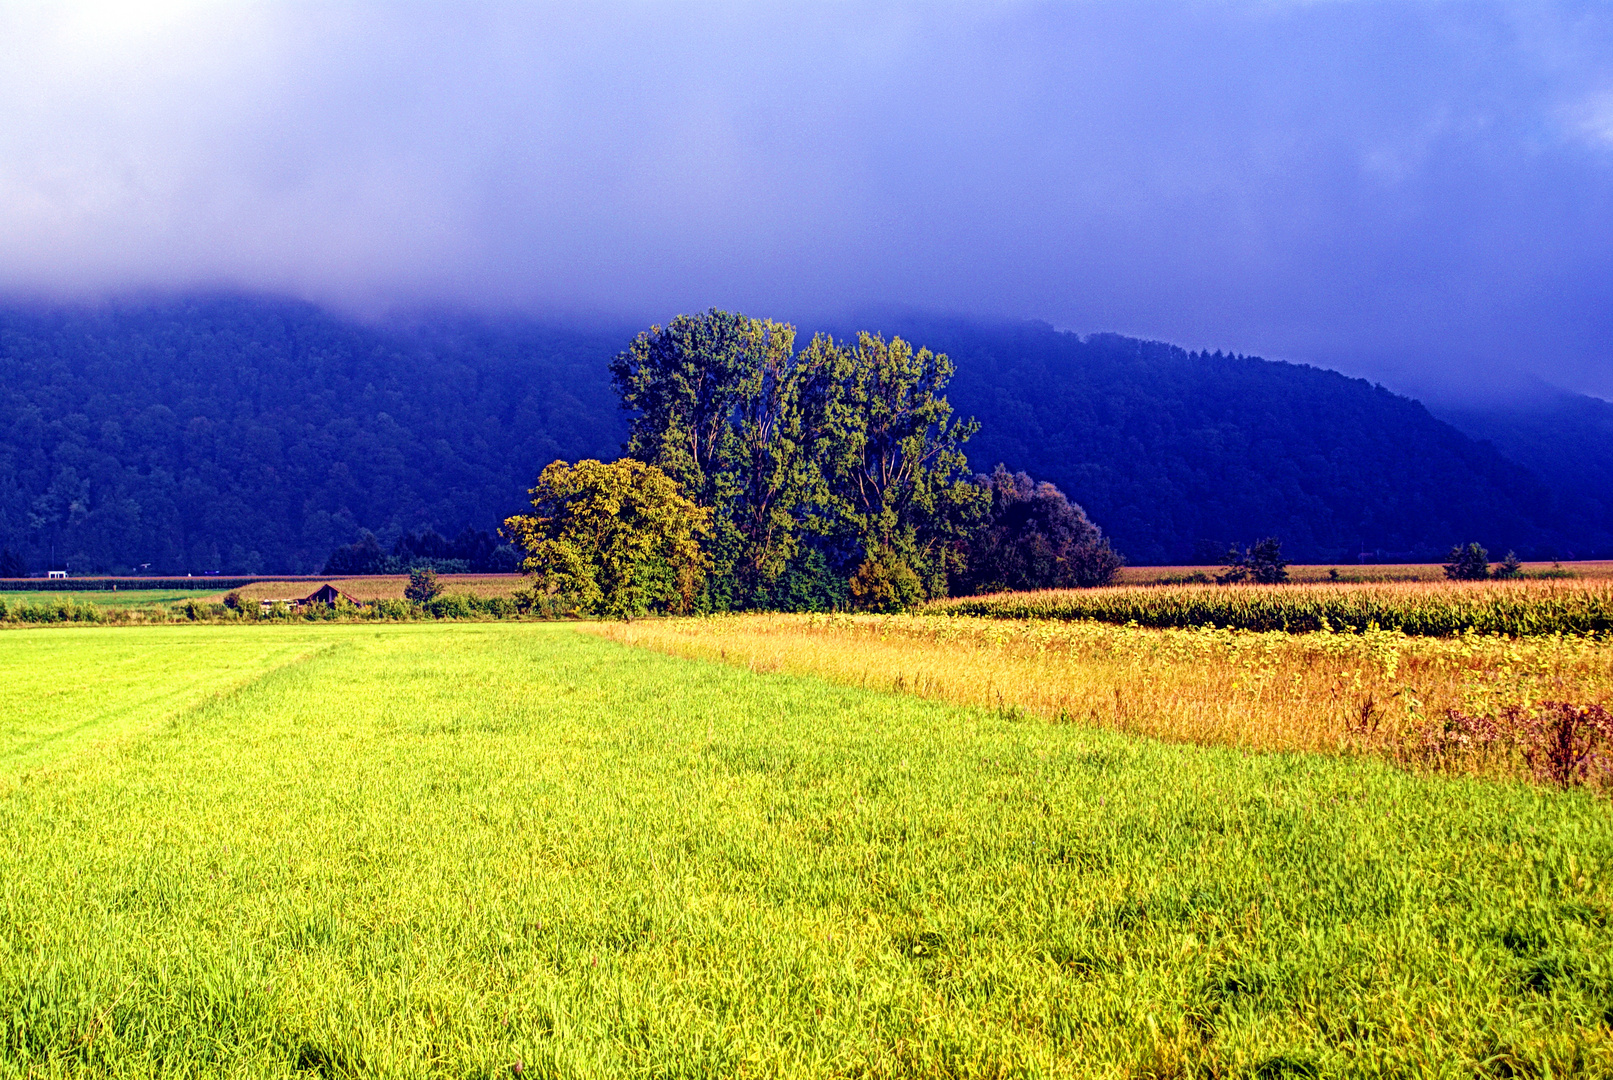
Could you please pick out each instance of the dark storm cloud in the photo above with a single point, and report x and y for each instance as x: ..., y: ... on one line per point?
x: 1420, y: 189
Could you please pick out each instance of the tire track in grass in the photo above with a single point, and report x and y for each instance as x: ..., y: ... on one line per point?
x: 123, y: 719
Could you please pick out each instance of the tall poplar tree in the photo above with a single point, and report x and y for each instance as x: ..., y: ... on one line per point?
x: 813, y: 464
x: 715, y: 399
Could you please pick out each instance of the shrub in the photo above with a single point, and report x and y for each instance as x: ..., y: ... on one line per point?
x: 1469, y: 563
x: 423, y: 585
x: 886, y: 583
x: 543, y: 603
x: 1035, y: 538
x: 452, y: 606
x: 1510, y: 567
x: 1564, y: 744
x: 232, y: 600
x: 1568, y: 744
x: 1263, y: 564
x: 390, y: 609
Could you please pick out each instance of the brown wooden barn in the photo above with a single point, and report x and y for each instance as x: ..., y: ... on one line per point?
x: 326, y: 594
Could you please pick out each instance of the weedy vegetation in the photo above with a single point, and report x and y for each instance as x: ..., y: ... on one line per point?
x: 238, y: 608
x: 1471, y: 704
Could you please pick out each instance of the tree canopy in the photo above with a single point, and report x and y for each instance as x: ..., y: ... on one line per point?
x: 811, y: 463
x: 612, y: 538
x: 1262, y: 563
x: 1035, y: 538
x: 256, y: 436
x: 1468, y: 562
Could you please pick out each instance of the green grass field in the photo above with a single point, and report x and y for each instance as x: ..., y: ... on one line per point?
x: 142, y: 597
x: 120, y: 598
x: 444, y: 849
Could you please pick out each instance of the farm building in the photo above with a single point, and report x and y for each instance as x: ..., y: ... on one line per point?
x: 330, y: 596
x: 326, y: 594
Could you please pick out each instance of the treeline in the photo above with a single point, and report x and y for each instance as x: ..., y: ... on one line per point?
x: 761, y: 476
x: 473, y: 551
x: 257, y: 436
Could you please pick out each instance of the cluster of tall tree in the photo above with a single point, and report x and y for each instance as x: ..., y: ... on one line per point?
x: 819, y: 478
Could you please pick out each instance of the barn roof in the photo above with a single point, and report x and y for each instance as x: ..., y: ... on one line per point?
x: 329, y: 594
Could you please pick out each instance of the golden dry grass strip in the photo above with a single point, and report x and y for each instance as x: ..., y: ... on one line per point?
x: 1266, y: 691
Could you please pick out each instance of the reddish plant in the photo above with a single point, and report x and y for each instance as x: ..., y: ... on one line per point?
x: 1454, y: 737
x: 1566, y: 744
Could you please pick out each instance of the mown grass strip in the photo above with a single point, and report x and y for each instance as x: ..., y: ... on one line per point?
x: 62, y: 689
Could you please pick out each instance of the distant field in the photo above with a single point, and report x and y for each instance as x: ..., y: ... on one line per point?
x: 131, y: 597
x: 445, y: 849
x: 385, y: 587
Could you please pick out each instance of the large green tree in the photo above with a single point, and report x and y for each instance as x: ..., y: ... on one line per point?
x: 612, y: 538
x: 891, y: 454
x: 813, y: 464
x: 715, y: 400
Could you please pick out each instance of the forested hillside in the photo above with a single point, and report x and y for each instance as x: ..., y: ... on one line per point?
x: 256, y: 436
x: 1566, y: 438
x: 1177, y: 454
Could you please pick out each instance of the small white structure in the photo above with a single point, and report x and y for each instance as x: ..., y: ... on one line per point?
x: 57, y: 573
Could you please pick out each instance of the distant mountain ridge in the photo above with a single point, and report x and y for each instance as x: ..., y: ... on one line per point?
x: 251, y: 435
x: 1178, y: 454
x: 1564, y: 438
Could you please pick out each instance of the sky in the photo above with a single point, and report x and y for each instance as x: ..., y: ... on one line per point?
x: 1415, y: 191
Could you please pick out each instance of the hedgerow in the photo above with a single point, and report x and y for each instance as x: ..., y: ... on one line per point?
x: 449, y: 606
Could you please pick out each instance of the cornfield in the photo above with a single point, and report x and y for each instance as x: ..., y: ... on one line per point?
x: 1418, y: 609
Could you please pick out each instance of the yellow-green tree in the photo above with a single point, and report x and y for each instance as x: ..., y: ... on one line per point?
x: 612, y: 538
